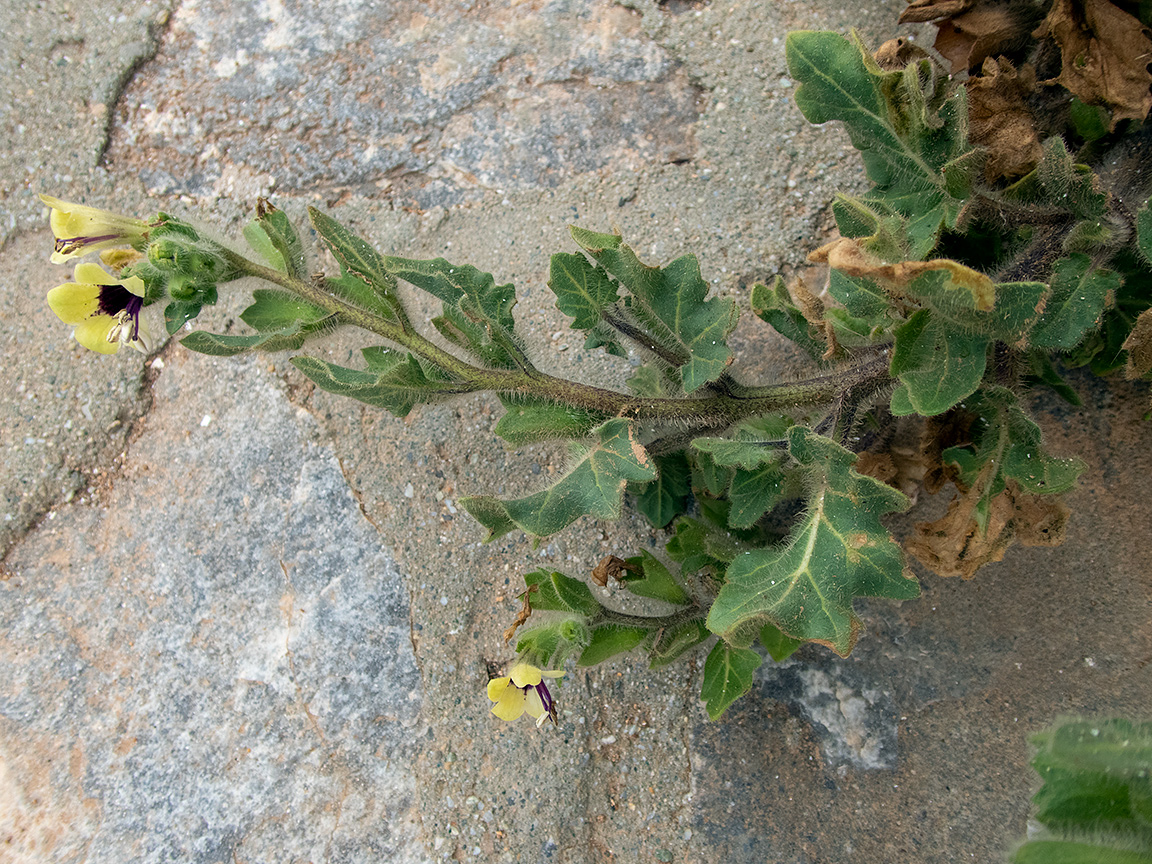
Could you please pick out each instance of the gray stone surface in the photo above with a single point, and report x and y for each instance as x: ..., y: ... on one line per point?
x: 242, y: 620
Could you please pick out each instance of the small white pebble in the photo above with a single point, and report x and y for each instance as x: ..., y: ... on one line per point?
x: 206, y: 420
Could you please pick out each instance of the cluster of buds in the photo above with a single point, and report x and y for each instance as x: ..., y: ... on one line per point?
x: 151, y: 260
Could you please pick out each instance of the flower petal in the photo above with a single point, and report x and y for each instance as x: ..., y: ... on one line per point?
x: 496, y: 688
x: 511, y: 704
x: 524, y: 675
x: 93, y: 332
x: 74, y: 302
x: 533, y: 704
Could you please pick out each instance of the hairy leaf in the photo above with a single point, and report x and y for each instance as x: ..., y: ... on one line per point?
x: 672, y: 643
x: 594, y: 487
x: 230, y: 344
x: 657, y: 581
x: 371, y: 286
x: 582, y: 290
x: 272, y: 235
x: 274, y: 310
x: 838, y: 552
x: 912, y: 140
x: 1095, y: 799
x: 1076, y: 301
x: 608, y: 640
x: 937, y: 365
x: 477, y: 312
x: 779, y: 646
x: 728, y: 675
x: 393, y: 380
x: 749, y: 445
x: 773, y: 305
x: 526, y: 421
x: 753, y: 492
x: 675, y: 296
x: 560, y: 593
x: 666, y: 497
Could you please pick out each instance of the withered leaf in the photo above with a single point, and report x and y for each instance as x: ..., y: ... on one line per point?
x: 611, y: 566
x: 968, y: 31
x: 849, y: 256
x: 1104, y: 53
x: 522, y: 615
x: 1000, y: 120
x: 897, y: 53
x: 954, y: 545
x: 1139, y: 347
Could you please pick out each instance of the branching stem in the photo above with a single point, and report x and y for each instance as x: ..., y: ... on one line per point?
x: 715, y: 410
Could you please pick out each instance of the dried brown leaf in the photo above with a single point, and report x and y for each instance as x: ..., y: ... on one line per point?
x: 1104, y: 53
x: 1000, y: 120
x: 612, y: 567
x: 919, y: 11
x: 954, y: 545
x: 522, y: 615
x: 1139, y: 347
x: 850, y: 257
x: 897, y: 53
x: 981, y: 30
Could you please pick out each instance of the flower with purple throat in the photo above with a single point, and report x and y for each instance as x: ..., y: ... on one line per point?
x: 80, y: 229
x: 104, y: 310
x: 523, y: 690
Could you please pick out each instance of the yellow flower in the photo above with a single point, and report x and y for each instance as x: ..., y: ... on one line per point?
x: 80, y: 230
x: 523, y: 689
x: 104, y: 310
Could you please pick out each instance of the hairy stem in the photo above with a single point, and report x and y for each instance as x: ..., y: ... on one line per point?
x: 652, y: 622
x: 715, y: 410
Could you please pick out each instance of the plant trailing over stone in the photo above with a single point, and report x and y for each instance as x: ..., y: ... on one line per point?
x: 973, y: 262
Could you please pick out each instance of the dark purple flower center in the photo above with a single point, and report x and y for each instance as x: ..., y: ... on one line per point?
x: 546, y: 700
x: 116, y: 301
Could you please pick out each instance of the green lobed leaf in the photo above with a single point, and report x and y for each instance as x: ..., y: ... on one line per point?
x: 707, y: 475
x: 1008, y: 438
x: 608, y: 640
x: 371, y: 286
x: 1075, y: 303
x: 672, y: 643
x: 779, y: 646
x: 728, y: 674
x: 773, y: 305
x: 393, y: 380
x: 274, y: 310
x: 689, y: 548
x: 656, y: 583
x: 527, y: 421
x: 477, y: 312
x: 753, y: 493
x: 675, y: 296
x: 229, y: 344
x: 666, y: 497
x: 838, y: 552
x: 582, y: 290
x: 749, y: 444
x: 862, y: 297
x: 272, y: 235
x: 912, y: 140
x: 559, y: 593
x: 936, y: 363
x: 594, y: 487
x: 1144, y: 230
